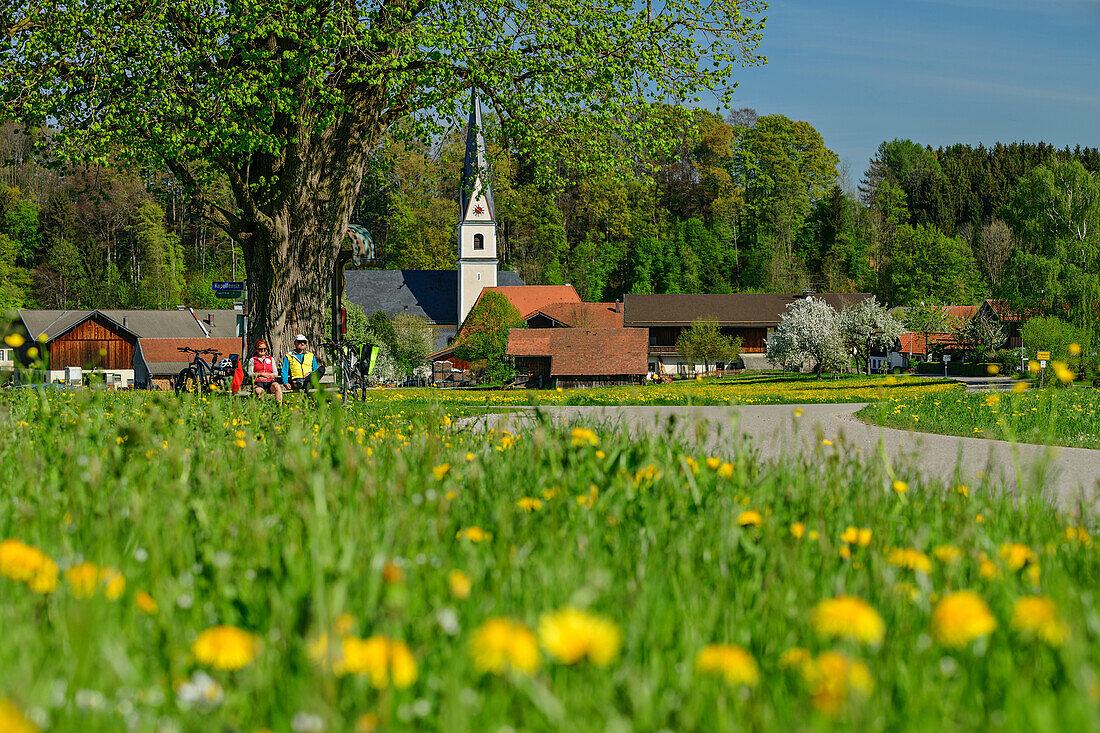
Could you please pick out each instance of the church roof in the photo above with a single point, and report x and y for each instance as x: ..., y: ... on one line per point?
x: 430, y: 294
x: 475, y: 164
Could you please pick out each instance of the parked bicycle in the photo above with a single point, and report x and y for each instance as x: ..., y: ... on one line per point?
x: 202, y: 377
x: 352, y: 366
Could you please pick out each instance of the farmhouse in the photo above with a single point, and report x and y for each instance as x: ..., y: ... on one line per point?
x: 125, y: 345
x: 578, y: 357
x: 752, y: 317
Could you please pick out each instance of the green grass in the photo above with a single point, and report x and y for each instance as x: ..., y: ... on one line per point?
x: 282, y: 535
x: 1069, y: 417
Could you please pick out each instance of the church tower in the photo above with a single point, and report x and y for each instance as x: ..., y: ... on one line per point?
x: 477, y: 229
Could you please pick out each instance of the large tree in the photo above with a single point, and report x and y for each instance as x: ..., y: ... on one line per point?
x: 286, y: 101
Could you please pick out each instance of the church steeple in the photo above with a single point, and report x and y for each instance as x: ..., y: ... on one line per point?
x: 477, y: 229
x: 476, y: 189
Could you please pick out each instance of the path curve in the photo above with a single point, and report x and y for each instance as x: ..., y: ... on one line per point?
x: 1068, y: 476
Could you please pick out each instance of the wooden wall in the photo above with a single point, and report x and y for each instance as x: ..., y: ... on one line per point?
x: 92, y: 344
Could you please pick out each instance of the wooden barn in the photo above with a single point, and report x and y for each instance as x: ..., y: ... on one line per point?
x: 578, y: 357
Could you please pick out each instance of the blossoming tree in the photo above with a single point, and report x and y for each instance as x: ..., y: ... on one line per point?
x: 282, y: 103
x: 809, y: 331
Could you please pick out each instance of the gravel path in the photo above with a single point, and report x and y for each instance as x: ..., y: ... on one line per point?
x: 1068, y: 476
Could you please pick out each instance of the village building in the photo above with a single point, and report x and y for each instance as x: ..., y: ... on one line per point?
x: 752, y: 317
x: 125, y: 346
x: 576, y: 315
x: 578, y: 357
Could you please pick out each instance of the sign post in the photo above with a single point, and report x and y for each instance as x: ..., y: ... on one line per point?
x: 1042, y: 356
x: 234, y: 290
x: 946, y: 361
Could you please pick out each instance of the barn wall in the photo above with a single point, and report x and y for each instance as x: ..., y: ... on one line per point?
x: 92, y: 345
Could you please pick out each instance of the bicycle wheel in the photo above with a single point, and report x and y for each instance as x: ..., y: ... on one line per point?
x: 188, y: 381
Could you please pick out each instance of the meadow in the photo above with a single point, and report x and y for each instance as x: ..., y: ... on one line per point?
x: 223, y: 565
x: 1069, y: 417
x: 748, y: 388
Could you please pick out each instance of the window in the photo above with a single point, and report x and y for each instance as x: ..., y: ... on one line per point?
x: 479, y: 276
x: 479, y: 241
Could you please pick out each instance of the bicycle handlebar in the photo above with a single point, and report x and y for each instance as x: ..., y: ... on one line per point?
x: 189, y: 350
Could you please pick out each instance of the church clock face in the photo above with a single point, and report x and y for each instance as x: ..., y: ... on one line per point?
x: 479, y: 210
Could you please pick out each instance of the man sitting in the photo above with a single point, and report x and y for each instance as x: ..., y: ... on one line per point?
x: 300, y: 366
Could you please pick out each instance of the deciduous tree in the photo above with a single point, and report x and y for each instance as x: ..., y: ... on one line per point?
x: 868, y: 327
x: 704, y: 341
x: 809, y: 330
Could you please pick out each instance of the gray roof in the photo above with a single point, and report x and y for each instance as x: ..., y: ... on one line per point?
x: 738, y: 309
x: 475, y: 163
x: 142, y: 323
x: 430, y: 294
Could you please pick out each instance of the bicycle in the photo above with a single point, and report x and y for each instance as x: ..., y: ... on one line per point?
x: 201, y: 377
x: 351, y: 367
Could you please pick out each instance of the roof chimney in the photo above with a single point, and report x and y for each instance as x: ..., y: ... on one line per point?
x: 125, y: 322
x: 210, y: 319
x: 618, y: 306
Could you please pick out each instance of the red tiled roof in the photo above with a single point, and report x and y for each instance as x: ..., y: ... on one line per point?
x: 162, y: 356
x: 528, y: 298
x: 914, y: 343
x: 962, y: 312
x: 584, y: 351
x: 582, y: 315
x: 1002, y: 310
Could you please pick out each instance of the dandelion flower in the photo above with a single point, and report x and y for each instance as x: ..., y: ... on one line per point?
x: 1037, y: 617
x: 750, y: 518
x: 83, y: 579
x: 729, y: 660
x: 14, y: 340
x: 1016, y: 555
x: 474, y: 534
x: 834, y: 678
x: 960, y: 618
x: 726, y: 470
x: 392, y: 573
x: 589, y: 500
x: 145, y: 602
x: 384, y: 661
x: 11, y: 720
x: 570, y: 635
x: 848, y: 617
x: 1075, y: 349
x: 910, y: 559
x: 225, y: 647
x: 501, y: 644
x: 947, y: 554
x: 441, y: 470
x: 900, y: 487
x: 529, y: 504
x: 26, y: 564
x: 367, y: 723
x: 460, y: 584
x: 584, y: 436
x: 1065, y: 374
x: 794, y: 657
x: 797, y: 530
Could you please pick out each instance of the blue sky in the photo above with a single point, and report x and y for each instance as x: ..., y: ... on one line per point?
x: 933, y: 71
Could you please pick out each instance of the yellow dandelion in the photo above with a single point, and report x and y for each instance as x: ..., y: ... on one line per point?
x: 385, y: 662
x: 14, y: 340
x: 240, y: 443
x: 1037, y: 617
x: 113, y: 583
x: 145, y: 602
x: 1065, y: 374
x: 26, y: 564
x: 848, y: 617
x: 850, y: 535
x: 459, y: 584
x: 570, y: 635
x: 474, y: 534
x: 729, y: 660
x: 501, y: 644
x: 225, y: 647
x: 588, y: 500
x: 529, y: 504
x: 963, y: 490
x: 947, y: 554
x: 1016, y: 555
x: 797, y: 530
x: 441, y: 470
x: 367, y: 723
x: 750, y: 518
x: 725, y: 470
x: 905, y: 589
x: 11, y: 720
x: 960, y: 618
x: 1075, y: 349
x: 910, y: 559
x: 864, y: 537
x: 993, y: 399
x: 584, y: 436
x: 993, y: 369
x: 986, y: 567
x: 713, y: 463
x: 469, y: 457
x: 900, y: 487
x: 1019, y: 387
x: 845, y: 552
x: 834, y: 679
x: 83, y: 579
x: 551, y: 493
x: 826, y: 442
x: 392, y: 573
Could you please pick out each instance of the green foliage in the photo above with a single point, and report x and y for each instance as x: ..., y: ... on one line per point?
x: 484, y: 335
x: 161, y: 258
x: 927, y: 264
x: 413, y: 339
x: 704, y: 341
x: 1050, y: 333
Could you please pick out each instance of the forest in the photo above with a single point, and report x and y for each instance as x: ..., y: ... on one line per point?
x: 739, y: 202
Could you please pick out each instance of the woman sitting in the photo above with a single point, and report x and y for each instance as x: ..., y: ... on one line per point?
x: 262, y: 368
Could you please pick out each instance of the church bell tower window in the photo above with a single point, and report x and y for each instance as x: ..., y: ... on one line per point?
x: 479, y: 241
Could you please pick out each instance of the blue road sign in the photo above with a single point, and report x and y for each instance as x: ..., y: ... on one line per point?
x: 227, y: 286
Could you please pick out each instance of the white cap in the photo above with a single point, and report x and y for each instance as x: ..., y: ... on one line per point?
x: 300, y: 337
